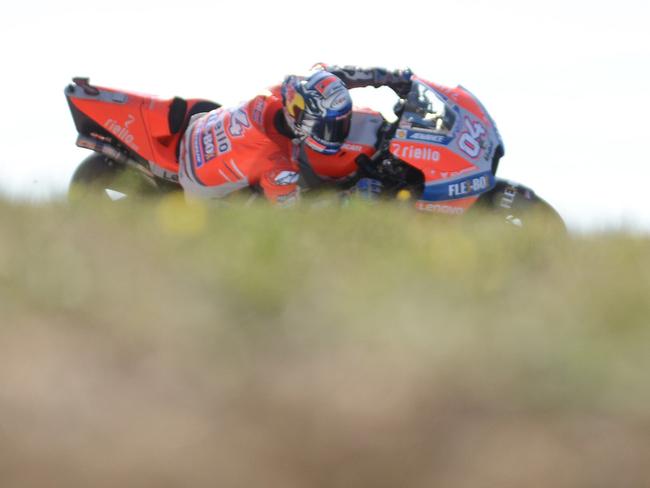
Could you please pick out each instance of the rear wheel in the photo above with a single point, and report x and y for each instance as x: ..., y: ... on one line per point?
x: 99, y: 177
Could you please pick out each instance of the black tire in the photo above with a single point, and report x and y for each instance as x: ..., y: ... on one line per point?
x: 519, y: 204
x: 100, y: 178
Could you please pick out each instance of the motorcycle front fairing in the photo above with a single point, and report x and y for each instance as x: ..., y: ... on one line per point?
x: 447, y: 135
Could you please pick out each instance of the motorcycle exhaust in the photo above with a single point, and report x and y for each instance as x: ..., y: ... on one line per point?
x: 117, y: 156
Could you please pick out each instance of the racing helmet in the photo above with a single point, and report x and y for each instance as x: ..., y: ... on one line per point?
x: 318, y: 109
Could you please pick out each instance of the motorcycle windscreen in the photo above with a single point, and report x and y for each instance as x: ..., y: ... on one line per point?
x: 425, y: 110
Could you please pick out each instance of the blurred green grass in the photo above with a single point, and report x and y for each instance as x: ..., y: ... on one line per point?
x: 166, y: 344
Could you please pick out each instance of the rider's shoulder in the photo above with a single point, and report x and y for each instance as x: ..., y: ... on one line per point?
x: 266, y: 101
x: 268, y: 95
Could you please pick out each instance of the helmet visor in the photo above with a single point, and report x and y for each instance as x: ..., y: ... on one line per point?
x: 329, y: 130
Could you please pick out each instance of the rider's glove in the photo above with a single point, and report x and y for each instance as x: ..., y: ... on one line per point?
x: 398, y: 80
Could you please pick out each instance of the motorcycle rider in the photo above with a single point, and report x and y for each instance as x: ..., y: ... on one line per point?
x: 302, y: 134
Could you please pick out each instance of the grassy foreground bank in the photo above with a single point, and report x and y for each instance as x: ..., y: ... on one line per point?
x: 161, y: 345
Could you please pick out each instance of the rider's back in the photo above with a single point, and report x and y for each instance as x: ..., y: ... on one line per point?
x: 226, y: 150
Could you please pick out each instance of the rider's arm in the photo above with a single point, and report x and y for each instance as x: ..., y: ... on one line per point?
x: 398, y: 80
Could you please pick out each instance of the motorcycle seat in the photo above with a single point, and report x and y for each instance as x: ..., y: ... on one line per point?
x: 180, y: 112
x: 176, y: 115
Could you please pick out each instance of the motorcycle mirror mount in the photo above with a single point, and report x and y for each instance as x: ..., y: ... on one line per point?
x: 84, y: 84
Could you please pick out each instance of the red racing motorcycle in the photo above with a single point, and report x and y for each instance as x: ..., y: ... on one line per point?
x: 429, y: 155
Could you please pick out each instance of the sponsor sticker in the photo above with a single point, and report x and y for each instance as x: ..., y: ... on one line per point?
x: 208, y: 146
x: 339, y: 102
x: 508, y: 197
x: 122, y: 131
x: 352, y: 147
x: 412, y: 152
x: 323, y: 85
x: 284, y: 178
x: 239, y: 122
x: 258, y: 110
x: 461, y: 188
x: 196, y: 150
x: 469, y: 186
x: 222, y: 141
x: 423, y: 136
x: 441, y: 208
x: 210, y: 139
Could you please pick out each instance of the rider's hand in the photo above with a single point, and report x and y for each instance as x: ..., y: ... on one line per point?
x: 401, y: 82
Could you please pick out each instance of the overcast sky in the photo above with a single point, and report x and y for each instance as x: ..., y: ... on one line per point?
x: 567, y: 82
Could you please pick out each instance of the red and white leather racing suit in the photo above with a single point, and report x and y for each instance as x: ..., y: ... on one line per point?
x: 227, y: 150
